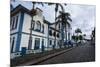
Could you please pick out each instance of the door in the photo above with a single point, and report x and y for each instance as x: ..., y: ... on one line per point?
x: 37, y: 43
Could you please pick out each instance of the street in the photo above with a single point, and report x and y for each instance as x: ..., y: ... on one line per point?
x: 82, y: 53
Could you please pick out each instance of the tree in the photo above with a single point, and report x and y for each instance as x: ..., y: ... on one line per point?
x: 73, y: 37
x: 63, y: 18
x: 57, y: 5
x: 80, y: 37
x: 78, y: 31
x: 34, y: 3
x: 33, y: 12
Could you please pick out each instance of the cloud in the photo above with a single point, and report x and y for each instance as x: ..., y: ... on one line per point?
x: 83, y: 16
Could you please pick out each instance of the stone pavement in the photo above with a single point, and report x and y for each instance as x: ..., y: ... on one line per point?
x: 83, y: 53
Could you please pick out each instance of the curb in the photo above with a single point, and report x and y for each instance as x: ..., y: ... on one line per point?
x: 35, y: 62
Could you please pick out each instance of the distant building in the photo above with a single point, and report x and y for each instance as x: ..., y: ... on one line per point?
x: 43, y: 32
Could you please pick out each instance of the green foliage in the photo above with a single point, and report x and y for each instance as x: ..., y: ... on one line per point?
x: 80, y: 37
x: 78, y: 30
x: 73, y: 37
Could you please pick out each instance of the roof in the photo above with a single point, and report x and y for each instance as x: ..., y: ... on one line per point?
x: 23, y: 9
x: 18, y: 9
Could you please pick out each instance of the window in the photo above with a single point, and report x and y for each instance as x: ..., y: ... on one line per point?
x: 50, y: 42
x: 37, y: 43
x: 50, y: 32
x: 38, y: 26
x: 12, y: 46
x: 54, y: 34
x: 13, y: 21
x: 42, y: 45
x: 59, y: 26
x: 16, y: 22
x: 57, y: 34
x: 42, y: 28
x: 68, y: 36
x: 33, y: 24
x: 42, y: 41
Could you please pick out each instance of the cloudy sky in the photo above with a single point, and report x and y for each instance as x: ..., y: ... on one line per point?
x: 83, y: 16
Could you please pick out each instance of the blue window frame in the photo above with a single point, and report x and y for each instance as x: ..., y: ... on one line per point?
x: 13, y: 42
x: 38, y: 26
x: 16, y: 23
x: 50, y: 42
x: 50, y: 32
x: 37, y: 43
x: 42, y: 28
x: 13, y: 23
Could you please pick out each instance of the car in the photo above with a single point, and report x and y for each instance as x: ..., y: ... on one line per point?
x: 69, y: 43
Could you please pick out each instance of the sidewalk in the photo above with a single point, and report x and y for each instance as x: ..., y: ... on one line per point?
x: 39, y: 58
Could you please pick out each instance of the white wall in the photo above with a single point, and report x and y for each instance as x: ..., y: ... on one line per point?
x: 27, y: 22
x: 26, y: 29
x: 24, y: 41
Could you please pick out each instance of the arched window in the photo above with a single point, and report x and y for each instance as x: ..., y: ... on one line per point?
x: 33, y: 24
x: 50, y: 32
x: 58, y: 35
x: 54, y: 34
x: 42, y: 28
x: 38, y: 26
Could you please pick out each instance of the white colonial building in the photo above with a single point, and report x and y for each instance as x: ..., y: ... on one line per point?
x: 32, y: 34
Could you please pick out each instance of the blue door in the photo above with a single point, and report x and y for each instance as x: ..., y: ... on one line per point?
x: 23, y: 51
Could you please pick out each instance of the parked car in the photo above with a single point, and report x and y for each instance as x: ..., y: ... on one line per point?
x: 70, y: 43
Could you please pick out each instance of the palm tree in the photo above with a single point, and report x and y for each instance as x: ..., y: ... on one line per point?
x: 78, y: 31
x: 34, y: 3
x: 33, y: 12
x: 64, y: 20
x: 57, y: 5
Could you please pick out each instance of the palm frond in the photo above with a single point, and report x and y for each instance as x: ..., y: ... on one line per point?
x: 69, y: 19
x: 50, y: 3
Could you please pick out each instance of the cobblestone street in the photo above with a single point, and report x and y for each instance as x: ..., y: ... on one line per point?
x: 83, y: 53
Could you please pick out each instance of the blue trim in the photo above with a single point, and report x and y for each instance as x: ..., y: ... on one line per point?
x: 27, y: 34
x: 19, y: 34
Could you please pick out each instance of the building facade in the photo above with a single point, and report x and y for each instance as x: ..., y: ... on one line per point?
x: 23, y: 26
